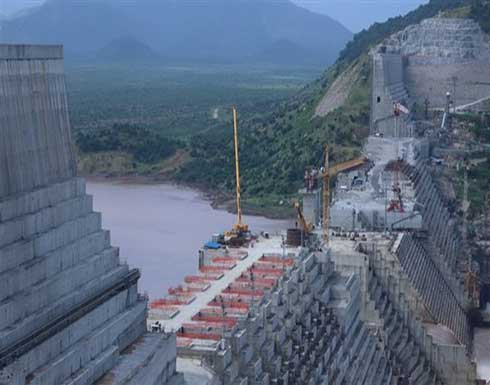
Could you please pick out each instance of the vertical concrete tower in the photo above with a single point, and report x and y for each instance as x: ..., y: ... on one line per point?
x: 69, y: 308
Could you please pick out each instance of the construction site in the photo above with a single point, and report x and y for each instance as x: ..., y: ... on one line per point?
x: 373, y: 286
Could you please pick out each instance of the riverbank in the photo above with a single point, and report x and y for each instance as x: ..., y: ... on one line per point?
x: 161, y: 227
x: 268, y: 207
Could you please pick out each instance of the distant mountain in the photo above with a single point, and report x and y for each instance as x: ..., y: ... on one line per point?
x: 217, y: 30
x: 127, y: 49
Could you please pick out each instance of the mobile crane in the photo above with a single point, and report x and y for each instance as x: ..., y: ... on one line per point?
x: 240, y: 230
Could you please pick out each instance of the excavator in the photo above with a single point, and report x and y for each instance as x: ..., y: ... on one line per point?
x: 237, y: 236
x: 305, y: 226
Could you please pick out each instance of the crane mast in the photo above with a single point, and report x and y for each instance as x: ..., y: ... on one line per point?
x: 326, y: 197
x: 239, y: 226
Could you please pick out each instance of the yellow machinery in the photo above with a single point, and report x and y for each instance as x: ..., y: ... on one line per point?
x: 307, y: 227
x: 238, y: 228
x: 328, y: 173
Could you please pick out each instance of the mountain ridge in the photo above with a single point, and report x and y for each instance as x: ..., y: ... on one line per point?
x: 224, y: 30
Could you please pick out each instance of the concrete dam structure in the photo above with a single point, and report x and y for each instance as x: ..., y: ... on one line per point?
x: 269, y: 317
x: 379, y: 298
x: 406, y: 259
x: 419, y: 65
x: 442, y: 54
x: 70, y: 312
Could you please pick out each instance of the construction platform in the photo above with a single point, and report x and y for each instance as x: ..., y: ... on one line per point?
x: 234, y: 281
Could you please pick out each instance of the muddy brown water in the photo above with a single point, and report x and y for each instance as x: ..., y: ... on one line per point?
x: 160, y: 228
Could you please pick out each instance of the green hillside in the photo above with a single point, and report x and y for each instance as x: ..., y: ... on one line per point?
x: 277, y: 146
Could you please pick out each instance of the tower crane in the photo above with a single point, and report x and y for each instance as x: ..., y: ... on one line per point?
x: 327, y: 174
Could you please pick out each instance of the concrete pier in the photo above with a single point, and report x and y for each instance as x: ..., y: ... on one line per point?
x: 69, y: 308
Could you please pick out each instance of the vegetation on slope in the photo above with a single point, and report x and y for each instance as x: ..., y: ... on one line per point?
x: 278, y: 139
x: 146, y: 146
x: 480, y: 11
x: 162, y: 101
x: 478, y: 128
x: 278, y: 146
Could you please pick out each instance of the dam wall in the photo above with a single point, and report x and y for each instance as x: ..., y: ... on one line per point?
x: 388, y: 87
x: 434, y: 290
x: 69, y: 308
x: 35, y: 145
x: 407, y: 292
x: 306, y: 328
x: 444, y: 55
x: 442, y: 241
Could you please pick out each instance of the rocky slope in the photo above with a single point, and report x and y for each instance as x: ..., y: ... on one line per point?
x: 441, y: 55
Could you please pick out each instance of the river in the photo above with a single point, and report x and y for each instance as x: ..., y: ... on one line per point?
x: 160, y: 228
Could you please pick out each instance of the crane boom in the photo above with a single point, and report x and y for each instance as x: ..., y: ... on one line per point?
x: 334, y: 170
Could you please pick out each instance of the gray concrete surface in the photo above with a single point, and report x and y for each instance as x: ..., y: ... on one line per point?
x: 69, y: 309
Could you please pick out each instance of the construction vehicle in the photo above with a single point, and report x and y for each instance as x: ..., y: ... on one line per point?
x: 328, y: 173
x: 240, y: 231
x: 305, y: 226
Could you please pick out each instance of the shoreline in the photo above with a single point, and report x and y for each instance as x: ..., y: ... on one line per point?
x: 217, y: 200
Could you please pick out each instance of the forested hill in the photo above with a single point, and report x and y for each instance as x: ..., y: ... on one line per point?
x: 276, y: 148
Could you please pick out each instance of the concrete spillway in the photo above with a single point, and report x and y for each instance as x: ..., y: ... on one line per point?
x: 68, y: 307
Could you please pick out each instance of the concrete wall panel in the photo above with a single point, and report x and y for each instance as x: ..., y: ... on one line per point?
x: 35, y: 149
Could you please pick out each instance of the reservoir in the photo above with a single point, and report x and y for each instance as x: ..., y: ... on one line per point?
x: 160, y: 228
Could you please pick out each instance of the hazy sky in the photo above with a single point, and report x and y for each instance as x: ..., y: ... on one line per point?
x: 359, y: 14
x: 7, y: 7
x: 354, y: 14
